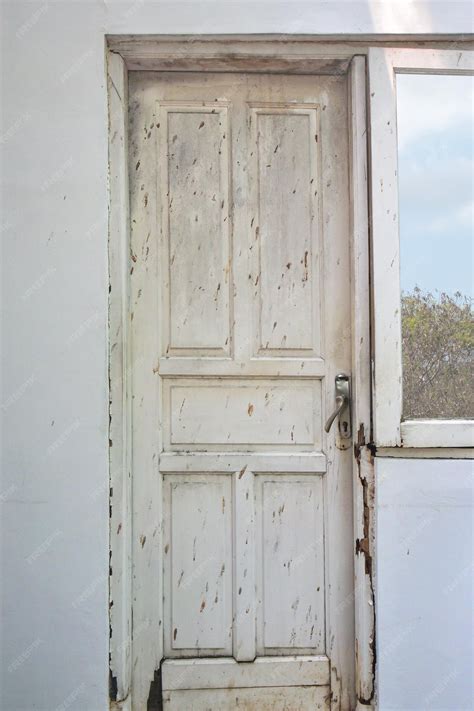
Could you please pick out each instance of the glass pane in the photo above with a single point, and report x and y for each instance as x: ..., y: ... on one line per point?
x: 436, y: 192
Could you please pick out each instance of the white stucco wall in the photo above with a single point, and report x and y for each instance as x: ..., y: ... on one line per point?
x: 425, y: 555
x: 54, y: 490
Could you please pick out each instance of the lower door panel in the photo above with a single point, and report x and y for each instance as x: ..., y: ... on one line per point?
x: 293, y: 683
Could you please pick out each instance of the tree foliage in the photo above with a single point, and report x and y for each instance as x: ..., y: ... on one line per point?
x: 438, y: 355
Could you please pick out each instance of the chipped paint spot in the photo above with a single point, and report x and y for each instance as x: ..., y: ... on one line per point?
x: 242, y: 471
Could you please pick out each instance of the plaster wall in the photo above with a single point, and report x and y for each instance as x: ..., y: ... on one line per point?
x: 54, y: 490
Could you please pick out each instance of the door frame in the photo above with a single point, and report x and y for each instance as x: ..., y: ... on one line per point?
x: 251, y: 54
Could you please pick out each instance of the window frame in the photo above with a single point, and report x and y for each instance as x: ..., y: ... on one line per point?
x: 390, y: 430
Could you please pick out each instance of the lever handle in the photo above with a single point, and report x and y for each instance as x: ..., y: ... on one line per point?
x: 343, y: 401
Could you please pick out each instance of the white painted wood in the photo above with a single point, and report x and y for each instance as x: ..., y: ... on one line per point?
x: 438, y: 433
x: 429, y: 61
x: 444, y: 453
x: 285, y: 188
x: 363, y: 469
x: 244, y: 622
x: 296, y: 698
x: 305, y: 53
x: 310, y: 462
x: 161, y: 53
x: 209, y: 414
x: 290, y: 564
x: 147, y: 581
x: 360, y: 265
x: 194, y: 146
x: 179, y: 54
x: 385, y: 252
x: 227, y: 673
x: 384, y: 64
x: 259, y: 423
x: 335, y: 309
x: 120, y: 421
x: 256, y: 367
x: 197, y: 565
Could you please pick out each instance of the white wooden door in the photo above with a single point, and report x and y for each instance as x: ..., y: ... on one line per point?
x: 240, y: 301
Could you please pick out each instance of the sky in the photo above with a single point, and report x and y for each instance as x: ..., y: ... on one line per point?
x: 435, y: 123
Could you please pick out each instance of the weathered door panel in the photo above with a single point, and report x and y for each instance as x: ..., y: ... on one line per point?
x: 241, y: 303
x: 295, y: 698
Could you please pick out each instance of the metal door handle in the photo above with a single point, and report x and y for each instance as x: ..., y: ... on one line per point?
x: 343, y: 401
x: 340, y: 405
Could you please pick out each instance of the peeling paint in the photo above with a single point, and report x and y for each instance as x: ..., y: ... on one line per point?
x: 363, y: 546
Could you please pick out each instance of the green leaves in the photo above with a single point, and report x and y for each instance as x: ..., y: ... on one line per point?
x: 438, y: 355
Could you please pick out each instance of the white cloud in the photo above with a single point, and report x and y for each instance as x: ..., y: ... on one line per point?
x: 432, y: 104
x: 436, y: 183
x: 461, y: 218
x: 436, y: 180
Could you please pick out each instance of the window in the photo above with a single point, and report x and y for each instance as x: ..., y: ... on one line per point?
x: 435, y: 126
x: 422, y: 152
